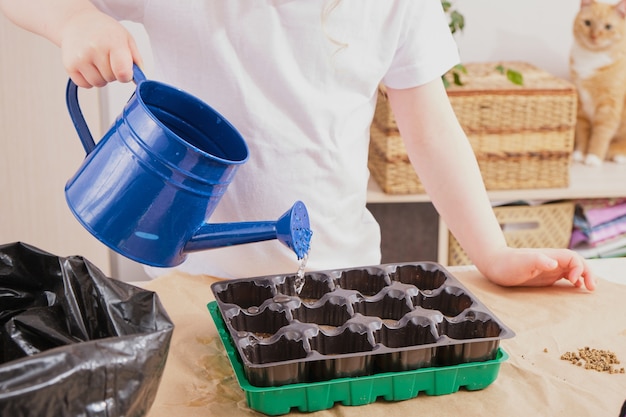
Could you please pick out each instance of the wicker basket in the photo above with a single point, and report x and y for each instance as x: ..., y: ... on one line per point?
x: 541, y: 226
x: 389, y: 164
x: 523, y: 136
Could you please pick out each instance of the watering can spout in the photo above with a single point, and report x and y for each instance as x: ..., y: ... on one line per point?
x: 291, y: 229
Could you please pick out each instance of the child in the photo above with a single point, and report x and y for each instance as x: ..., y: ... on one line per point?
x: 299, y: 80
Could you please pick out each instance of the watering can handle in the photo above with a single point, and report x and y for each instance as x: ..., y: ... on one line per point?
x: 71, y: 99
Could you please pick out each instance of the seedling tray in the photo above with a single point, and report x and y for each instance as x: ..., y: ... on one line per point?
x: 390, y: 386
x: 355, y: 322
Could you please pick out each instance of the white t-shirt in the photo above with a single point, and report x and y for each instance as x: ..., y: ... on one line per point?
x: 299, y: 82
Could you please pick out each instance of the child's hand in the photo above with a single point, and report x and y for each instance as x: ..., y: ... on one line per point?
x: 538, y: 267
x: 96, y: 49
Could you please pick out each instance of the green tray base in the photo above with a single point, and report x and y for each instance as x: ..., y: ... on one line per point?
x: 391, y: 386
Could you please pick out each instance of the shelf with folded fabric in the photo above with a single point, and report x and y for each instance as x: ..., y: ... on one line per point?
x: 600, y: 228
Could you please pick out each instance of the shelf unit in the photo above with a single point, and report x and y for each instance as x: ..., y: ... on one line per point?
x: 606, y: 181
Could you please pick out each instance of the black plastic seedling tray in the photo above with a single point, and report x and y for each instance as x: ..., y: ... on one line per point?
x: 355, y: 322
x: 390, y: 386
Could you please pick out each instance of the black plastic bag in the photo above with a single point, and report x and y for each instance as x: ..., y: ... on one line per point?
x: 74, y: 342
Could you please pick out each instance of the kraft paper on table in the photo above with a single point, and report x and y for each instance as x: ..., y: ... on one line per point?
x: 534, y: 381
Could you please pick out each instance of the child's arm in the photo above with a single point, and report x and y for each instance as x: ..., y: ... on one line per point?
x: 446, y: 165
x: 96, y: 49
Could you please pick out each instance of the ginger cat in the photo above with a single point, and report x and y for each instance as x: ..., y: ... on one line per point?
x: 598, y: 69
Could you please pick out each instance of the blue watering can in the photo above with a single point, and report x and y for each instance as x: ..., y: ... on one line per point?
x: 147, y: 189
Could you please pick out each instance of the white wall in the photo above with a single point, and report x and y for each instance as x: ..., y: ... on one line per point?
x: 535, y: 31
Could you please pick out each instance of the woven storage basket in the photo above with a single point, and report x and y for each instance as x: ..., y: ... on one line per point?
x: 389, y: 164
x: 541, y: 226
x: 523, y: 136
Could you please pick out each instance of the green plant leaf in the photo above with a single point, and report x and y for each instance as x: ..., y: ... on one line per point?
x: 455, y: 72
x: 515, y: 77
x: 457, y: 78
x: 457, y: 21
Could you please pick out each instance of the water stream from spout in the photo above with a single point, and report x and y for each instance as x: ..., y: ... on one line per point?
x: 299, y: 282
